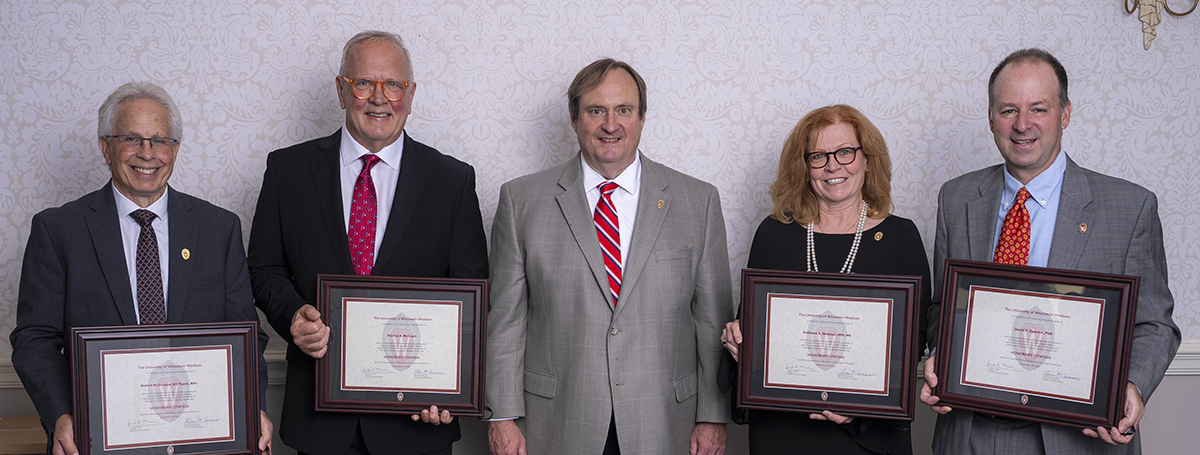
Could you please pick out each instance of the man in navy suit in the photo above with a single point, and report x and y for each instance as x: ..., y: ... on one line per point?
x: 413, y: 212
x: 88, y: 263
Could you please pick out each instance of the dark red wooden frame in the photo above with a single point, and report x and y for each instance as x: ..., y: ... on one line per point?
x: 1026, y: 406
x: 900, y: 403
x: 401, y: 288
x: 172, y: 335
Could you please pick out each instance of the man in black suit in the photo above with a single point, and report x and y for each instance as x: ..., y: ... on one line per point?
x: 366, y: 200
x: 96, y: 261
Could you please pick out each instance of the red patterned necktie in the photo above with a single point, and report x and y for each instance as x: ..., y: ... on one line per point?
x: 608, y: 230
x: 1013, y: 247
x: 151, y: 308
x: 362, y: 218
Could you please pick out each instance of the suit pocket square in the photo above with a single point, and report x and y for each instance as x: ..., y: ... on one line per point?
x: 685, y: 387
x: 540, y: 384
x: 669, y: 255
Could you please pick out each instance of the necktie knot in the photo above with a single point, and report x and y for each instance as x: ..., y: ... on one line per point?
x: 1023, y: 195
x: 607, y: 188
x: 143, y: 217
x: 369, y: 161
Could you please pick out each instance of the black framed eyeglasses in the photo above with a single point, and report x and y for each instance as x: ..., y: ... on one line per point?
x: 843, y: 156
x: 365, y: 88
x: 133, y: 141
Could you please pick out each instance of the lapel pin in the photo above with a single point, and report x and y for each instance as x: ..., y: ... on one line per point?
x: 1083, y: 228
x: 878, y: 236
x: 660, y: 203
x: 186, y: 254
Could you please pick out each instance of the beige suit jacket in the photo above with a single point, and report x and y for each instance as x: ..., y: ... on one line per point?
x: 562, y: 359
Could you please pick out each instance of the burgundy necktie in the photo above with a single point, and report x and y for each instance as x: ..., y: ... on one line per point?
x: 362, y: 218
x: 1013, y: 247
x: 151, y: 308
x: 608, y: 230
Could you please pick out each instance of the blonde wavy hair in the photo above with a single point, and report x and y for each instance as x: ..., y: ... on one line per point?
x: 792, y: 196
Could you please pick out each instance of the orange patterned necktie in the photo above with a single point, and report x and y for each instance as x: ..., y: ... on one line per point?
x: 1014, y: 236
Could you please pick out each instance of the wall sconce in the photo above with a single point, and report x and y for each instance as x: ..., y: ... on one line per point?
x: 1150, y: 13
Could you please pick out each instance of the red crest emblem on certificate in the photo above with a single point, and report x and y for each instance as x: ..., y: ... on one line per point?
x: 1033, y: 338
x: 399, y: 396
x: 401, y: 342
x: 170, y: 450
x: 168, y: 391
x: 824, y: 396
x: 1024, y: 399
x: 826, y: 340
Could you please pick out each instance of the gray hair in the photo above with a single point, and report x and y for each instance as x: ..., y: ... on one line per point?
x: 138, y: 90
x: 374, y: 35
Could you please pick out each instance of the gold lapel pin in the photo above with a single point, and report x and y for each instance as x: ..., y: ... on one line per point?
x: 660, y: 203
x: 186, y: 254
x: 878, y: 236
x: 1083, y: 228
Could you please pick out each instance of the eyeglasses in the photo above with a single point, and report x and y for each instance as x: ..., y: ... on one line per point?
x: 365, y: 88
x: 133, y: 141
x: 843, y: 156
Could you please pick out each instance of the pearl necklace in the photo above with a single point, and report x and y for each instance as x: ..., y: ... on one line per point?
x: 811, y: 260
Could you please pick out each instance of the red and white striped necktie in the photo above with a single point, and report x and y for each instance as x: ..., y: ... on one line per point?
x: 608, y: 230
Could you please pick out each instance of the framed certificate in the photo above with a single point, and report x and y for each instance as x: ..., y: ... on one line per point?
x: 1034, y: 343
x: 166, y: 389
x: 399, y: 345
x: 828, y: 341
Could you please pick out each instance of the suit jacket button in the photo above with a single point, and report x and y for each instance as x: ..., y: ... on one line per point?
x: 614, y: 331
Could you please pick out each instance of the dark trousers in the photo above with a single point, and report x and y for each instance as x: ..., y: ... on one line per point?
x: 359, y: 447
x: 610, y: 445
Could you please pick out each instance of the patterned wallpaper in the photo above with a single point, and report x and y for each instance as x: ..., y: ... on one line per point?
x: 727, y: 80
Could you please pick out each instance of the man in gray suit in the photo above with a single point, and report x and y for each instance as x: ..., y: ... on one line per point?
x: 1078, y: 219
x: 96, y: 261
x: 603, y: 334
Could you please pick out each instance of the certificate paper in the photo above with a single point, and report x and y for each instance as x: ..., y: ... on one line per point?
x: 171, y: 396
x: 1034, y: 343
x: 401, y: 345
x: 828, y: 343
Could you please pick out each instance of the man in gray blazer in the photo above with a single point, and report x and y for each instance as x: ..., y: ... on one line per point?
x: 96, y: 261
x: 610, y: 286
x: 1080, y: 220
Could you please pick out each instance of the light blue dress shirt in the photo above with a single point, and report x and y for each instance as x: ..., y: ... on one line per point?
x: 1045, y: 191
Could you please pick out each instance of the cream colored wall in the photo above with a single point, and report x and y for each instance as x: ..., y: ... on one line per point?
x: 727, y: 80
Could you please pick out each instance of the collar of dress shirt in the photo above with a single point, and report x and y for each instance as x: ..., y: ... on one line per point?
x: 126, y: 206
x: 1041, y: 188
x: 629, y: 180
x: 351, y: 151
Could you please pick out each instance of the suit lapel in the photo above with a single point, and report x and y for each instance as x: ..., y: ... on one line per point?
x: 105, y: 230
x: 1069, y: 239
x: 414, y: 169
x: 650, y: 217
x: 981, y: 215
x: 574, y: 205
x: 325, y: 167
x: 183, y: 231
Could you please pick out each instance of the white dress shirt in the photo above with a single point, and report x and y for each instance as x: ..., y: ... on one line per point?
x: 131, y: 230
x: 385, y: 174
x: 624, y: 198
